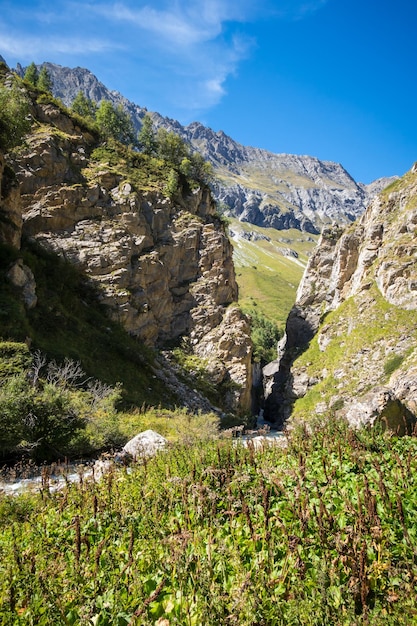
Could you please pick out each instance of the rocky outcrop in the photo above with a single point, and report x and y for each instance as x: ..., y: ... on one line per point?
x: 273, y: 190
x: 349, y: 348
x: 21, y: 276
x: 162, y: 268
x: 10, y: 208
x: 228, y: 355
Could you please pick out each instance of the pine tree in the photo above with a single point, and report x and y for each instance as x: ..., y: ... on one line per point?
x: 44, y: 81
x: 83, y: 106
x: 31, y: 74
x: 147, y: 136
x: 115, y: 122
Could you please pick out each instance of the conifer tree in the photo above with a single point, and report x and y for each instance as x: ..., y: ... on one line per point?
x: 83, y: 106
x: 115, y: 122
x: 44, y: 81
x: 32, y: 74
x: 147, y: 136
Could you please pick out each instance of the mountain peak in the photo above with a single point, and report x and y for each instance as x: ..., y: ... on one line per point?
x: 254, y: 185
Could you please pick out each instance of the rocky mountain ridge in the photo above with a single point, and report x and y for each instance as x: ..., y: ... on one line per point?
x: 162, y: 267
x: 350, y: 344
x: 273, y: 190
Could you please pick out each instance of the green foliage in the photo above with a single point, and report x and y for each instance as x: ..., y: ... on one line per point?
x: 15, y: 358
x: 172, y: 184
x: 115, y: 122
x: 171, y: 147
x: 46, y: 404
x: 41, y: 80
x: 31, y: 75
x: 44, y: 81
x: 38, y: 419
x: 197, y: 168
x: 84, y: 107
x: 265, y: 336
x: 178, y: 425
x: 14, y: 117
x: 322, y: 531
x: 147, y: 137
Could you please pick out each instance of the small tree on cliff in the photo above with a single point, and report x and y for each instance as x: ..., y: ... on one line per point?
x: 84, y: 107
x: 31, y: 75
x: 171, y: 147
x: 115, y: 122
x: 147, y: 137
x: 14, y: 117
x: 44, y: 81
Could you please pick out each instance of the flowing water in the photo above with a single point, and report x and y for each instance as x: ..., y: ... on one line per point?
x: 31, y: 478
x: 51, y: 477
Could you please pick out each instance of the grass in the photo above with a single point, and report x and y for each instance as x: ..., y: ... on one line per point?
x: 321, y: 532
x: 144, y: 172
x: 267, y: 279
x: 361, y: 326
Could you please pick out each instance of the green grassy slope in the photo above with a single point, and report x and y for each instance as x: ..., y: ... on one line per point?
x: 368, y: 339
x: 267, y: 275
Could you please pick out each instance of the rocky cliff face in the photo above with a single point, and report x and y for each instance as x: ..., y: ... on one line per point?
x: 10, y: 210
x: 273, y: 190
x: 350, y: 345
x: 163, y: 268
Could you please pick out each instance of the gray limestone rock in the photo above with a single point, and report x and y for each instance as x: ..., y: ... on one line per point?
x: 145, y: 444
x: 366, y: 277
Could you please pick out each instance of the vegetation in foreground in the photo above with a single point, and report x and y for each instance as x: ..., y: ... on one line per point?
x: 321, y: 532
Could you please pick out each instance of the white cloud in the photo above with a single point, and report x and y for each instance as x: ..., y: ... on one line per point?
x: 215, y: 86
x: 187, y: 48
x: 185, y: 24
x: 30, y: 47
x: 194, y: 41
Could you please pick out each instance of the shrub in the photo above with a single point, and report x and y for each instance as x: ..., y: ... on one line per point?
x: 14, y: 117
x: 50, y: 410
x: 265, y: 336
x: 15, y: 358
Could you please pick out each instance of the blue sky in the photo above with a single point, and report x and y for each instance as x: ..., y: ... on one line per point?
x: 334, y: 79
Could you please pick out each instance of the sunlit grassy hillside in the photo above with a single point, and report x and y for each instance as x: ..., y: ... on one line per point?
x: 269, y: 266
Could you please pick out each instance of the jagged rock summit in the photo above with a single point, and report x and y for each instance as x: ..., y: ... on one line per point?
x: 350, y: 344
x: 273, y: 190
